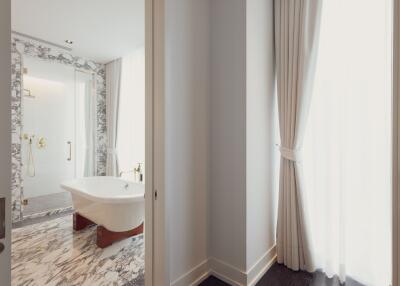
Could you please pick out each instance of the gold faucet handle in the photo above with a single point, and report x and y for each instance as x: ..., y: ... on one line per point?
x: 41, y: 144
x: 139, y: 168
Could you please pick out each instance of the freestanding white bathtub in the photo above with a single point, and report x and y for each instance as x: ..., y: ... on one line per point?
x: 114, y: 203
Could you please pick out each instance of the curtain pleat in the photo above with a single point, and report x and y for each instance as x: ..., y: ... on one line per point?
x: 296, y: 41
x: 90, y: 132
x: 113, y: 88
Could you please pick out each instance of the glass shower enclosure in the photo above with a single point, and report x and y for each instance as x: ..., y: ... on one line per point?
x: 57, y: 136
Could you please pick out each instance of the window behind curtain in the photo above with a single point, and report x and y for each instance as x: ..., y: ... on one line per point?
x: 131, y: 118
x: 347, y: 148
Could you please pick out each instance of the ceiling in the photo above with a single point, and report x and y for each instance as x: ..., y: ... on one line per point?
x: 101, y: 30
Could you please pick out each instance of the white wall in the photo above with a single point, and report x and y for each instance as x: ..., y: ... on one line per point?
x: 228, y: 137
x: 219, y: 127
x: 243, y: 153
x: 261, y: 153
x: 186, y: 135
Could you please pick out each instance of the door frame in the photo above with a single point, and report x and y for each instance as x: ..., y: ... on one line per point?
x: 149, y: 199
x: 156, y: 269
x: 396, y: 145
x: 5, y: 138
x: 148, y: 230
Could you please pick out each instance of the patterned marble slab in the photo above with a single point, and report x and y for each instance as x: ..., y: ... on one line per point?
x: 52, y: 253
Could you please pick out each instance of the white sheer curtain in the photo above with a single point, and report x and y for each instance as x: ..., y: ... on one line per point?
x: 131, y: 125
x: 347, y: 148
x: 90, y: 121
x: 113, y: 90
x: 296, y: 44
x: 86, y: 122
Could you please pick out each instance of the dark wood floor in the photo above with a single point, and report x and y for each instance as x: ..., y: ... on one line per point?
x: 279, y: 275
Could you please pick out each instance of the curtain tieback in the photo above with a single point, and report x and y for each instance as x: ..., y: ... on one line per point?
x: 290, y: 154
x: 112, y: 151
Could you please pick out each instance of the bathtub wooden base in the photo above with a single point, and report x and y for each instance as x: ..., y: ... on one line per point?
x: 105, y: 237
x: 81, y: 222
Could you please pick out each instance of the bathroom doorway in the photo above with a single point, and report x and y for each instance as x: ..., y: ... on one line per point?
x: 78, y: 137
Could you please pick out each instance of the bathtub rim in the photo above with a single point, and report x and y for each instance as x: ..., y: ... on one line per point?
x: 71, y: 187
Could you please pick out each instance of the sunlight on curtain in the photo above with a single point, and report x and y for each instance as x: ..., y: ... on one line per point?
x: 131, y: 125
x: 347, y: 148
x: 85, y: 120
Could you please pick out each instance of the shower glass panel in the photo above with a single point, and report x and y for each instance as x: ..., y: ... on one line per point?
x: 58, y: 132
x: 48, y: 126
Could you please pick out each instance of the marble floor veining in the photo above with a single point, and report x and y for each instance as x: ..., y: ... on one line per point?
x: 47, y: 203
x: 52, y: 253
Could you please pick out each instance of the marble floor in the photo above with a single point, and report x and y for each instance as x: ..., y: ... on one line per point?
x: 47, y: 205
x: 52, y: 253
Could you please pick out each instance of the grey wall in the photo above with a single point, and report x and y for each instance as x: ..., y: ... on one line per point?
x: 243, y: 156
x: 228, y: 133
x: 186, y: 134
x: 220, y: 152
x: 262, y: 158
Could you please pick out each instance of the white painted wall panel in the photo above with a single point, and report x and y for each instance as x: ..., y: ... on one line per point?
x: 227, y: 131
x: 261, y: 129
x: 186, y: 132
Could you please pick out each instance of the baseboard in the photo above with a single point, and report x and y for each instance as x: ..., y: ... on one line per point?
x: 237, y: 277
x: 227, y: 273
x: 257, y: 271
x: 194, y: 276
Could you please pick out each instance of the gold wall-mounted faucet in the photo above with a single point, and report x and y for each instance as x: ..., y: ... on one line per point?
x: 41, y: 144
x: 136, y: 171
x: 139, y: 170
